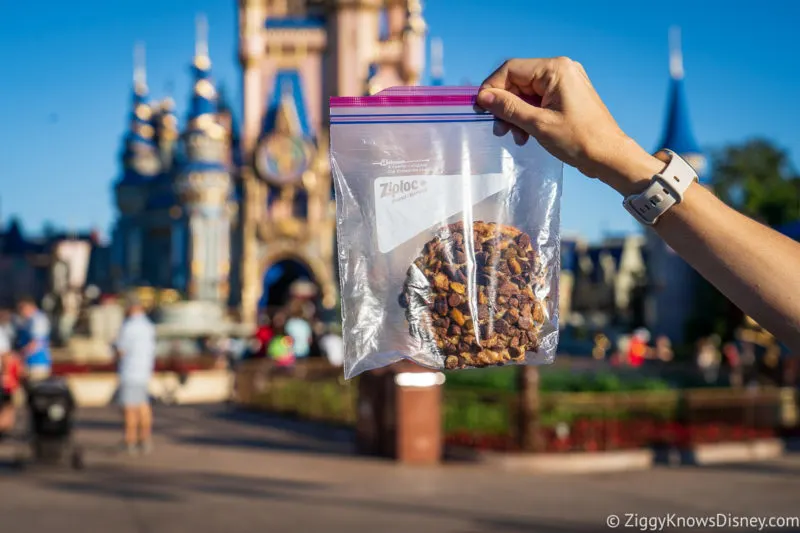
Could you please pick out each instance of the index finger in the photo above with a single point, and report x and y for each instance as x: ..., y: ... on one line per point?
x: 518, y: 74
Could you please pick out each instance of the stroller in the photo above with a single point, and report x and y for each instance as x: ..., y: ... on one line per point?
x: 51, y: 407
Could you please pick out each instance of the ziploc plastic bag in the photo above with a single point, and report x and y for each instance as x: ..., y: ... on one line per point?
x: 448, y: 234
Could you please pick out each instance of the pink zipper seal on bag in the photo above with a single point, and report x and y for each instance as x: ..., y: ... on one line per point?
x: 411, y: 97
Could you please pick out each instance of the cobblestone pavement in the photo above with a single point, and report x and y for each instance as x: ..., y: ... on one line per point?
x: 214, y: 470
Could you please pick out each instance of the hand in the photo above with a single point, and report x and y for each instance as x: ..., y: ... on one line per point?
x: 554, y: 101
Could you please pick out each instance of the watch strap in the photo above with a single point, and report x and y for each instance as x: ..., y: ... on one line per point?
x: 665, y: 190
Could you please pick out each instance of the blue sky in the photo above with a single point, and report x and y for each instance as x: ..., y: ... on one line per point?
x: 65, y: 82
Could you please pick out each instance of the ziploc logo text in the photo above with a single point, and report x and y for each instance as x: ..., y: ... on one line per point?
x: 409, y: 204
x: 402, y: 187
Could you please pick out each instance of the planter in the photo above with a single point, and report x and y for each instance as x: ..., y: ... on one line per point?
x: 732, y: 452
x: 97, y: 389
x: 573, y: 462
x: 590, y: 435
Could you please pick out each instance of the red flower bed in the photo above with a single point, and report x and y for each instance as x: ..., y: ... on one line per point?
x: 604, y: 435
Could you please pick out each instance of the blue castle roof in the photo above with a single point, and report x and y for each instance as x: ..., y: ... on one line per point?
x: 678, y: 135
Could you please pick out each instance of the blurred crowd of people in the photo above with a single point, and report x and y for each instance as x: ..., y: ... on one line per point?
x: 291, y: 332
x: 712, y: 360
x: 632, y: 350
x: 24, y: 353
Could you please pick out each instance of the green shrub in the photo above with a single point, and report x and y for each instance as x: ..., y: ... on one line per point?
x: 554, y: 380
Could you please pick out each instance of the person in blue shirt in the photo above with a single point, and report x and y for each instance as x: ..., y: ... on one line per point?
x: 136, y: 356
x: 33, y: 339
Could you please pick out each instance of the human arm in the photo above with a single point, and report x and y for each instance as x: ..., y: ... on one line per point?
x: 754, y: 266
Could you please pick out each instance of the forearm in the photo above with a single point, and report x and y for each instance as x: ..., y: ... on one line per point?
x: 754, y: 266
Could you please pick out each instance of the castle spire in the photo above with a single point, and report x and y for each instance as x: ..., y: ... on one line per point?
x: 204, y: 95
x: 678, y: 133
x: 413, y: 43
x: 675, y: 53
x: 201, y: 38
x: 437, y: 61
x: 139, y: 69
x: 139, y: 151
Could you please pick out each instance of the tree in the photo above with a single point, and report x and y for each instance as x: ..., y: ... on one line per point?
x: 756, y: 179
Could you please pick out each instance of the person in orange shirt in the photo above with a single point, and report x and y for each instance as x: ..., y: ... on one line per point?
x: 637, y: 349
x: 263, y: 336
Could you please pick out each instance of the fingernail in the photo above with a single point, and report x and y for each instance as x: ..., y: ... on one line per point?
x: 520, y: 137
x: 485, y: 98
x: 500, y: 128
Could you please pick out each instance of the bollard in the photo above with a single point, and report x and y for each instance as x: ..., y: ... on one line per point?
x: 400, y: 414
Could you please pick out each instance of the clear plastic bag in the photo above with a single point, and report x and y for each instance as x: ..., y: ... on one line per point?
x: 448, y: 235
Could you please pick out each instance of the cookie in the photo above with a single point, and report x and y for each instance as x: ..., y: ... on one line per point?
x: 470, y: 297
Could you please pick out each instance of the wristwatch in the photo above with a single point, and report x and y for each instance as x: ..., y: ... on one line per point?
x: 666, y: 189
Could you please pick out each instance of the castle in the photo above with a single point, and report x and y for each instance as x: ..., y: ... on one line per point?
x: 231, y: 214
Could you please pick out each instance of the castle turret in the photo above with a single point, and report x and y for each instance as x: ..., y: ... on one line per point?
x: 139, y: 155
x: 672, y: 284
x: 678, y: 134
x: 140, y: 163
x: 399, y: 57
x: 414, y: 43
x: 203, y: 186
x: 437, y: 62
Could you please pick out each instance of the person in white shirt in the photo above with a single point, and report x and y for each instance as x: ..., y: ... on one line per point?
x: 136, y: 354
x: 332, y: 346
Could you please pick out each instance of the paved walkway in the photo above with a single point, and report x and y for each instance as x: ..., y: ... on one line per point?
x: 218, y: 471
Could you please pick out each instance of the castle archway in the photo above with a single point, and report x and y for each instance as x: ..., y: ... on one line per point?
x: 278, y: 279
x: 283, y: 267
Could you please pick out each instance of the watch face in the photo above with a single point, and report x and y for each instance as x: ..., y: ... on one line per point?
x: 281, y: 159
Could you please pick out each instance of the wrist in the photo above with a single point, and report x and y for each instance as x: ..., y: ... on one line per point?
x: 628, y: 168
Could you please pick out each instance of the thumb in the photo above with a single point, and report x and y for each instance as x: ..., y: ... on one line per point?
x: 511, y: 108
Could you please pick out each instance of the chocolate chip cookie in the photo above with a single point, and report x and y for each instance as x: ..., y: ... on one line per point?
x: 470, y: 296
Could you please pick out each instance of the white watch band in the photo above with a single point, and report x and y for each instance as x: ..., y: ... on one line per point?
x: 666, y: 189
